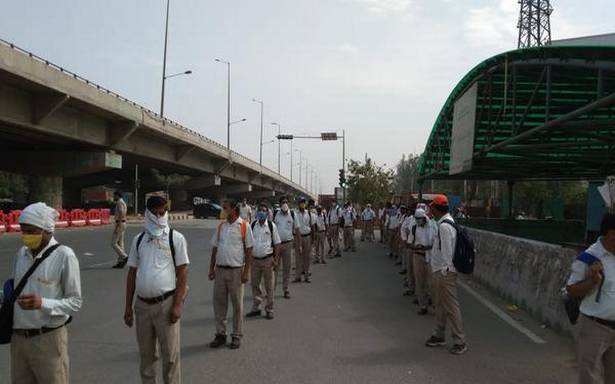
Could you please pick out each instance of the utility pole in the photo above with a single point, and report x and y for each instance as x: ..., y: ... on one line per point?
x: 164, y: 60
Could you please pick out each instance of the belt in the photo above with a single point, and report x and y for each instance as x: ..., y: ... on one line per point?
x: 286, y: 241
x: 227, y: 267
x: 156, y: 300
x: 419, y: 252
x: 306, y: 235
x: 120, y: 221
x: 324, y: 230
x: 334, y: 225
x: 606, y: 323
x: 27, y: 333
x: 264, y: 258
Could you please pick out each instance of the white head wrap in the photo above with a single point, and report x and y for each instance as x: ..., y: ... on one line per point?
x: 39, y: 215
x: 420, y: 212
x: 154, y: 225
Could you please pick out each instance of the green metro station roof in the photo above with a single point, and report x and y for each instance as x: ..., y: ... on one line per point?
x: 545, y: 113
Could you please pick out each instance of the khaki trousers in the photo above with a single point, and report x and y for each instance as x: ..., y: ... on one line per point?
x: 393, y: 239
x: 262, y: 270
x: 155, y: 333
x: 334, y: 235
x: 320, y: 245
x: 228, y: 284
x: 368, y: 231
x: 40, y: 359
x: 447, y: 306
x: 596, y: 353
x: 422, y: 277
x: 302, y: 258
x: 409, y: 265
x: 286, y: 253
x: 117, y: 241
x: 349, y: 238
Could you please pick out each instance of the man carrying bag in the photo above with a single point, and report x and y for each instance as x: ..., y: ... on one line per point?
x: 48, y: 293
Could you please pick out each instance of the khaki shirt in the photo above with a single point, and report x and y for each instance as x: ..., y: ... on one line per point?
x: 120, y: 210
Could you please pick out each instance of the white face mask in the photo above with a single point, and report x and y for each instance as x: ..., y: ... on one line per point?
x: 285, y: 207
x: 155, y: 225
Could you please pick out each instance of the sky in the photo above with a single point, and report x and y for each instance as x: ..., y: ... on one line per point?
x: 378, y: 70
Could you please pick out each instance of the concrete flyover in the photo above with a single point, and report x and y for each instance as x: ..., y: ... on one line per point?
x: 56, y: 124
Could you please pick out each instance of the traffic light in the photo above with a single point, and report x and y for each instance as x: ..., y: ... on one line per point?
x: 342, y: 178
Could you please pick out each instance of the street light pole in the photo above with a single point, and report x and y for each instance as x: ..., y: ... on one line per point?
x: 279, y: 146
x: 164, y: 60
x: 228, y: 102
x: 344, y: 161
x: 300, y: 164
x: 291, y: 161
x: 260, y: 155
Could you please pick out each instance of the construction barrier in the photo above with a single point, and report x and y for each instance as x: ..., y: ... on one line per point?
x: 2, y: 222
x: 63, y: 219
x: 12, y: 221
x: 93, y: 217
x: 105, y: 215
x: 78, y: 218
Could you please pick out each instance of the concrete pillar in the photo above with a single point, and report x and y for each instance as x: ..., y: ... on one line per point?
x: 47, y: 189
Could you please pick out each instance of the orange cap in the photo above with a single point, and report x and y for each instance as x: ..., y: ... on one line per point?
x: 440, y: 200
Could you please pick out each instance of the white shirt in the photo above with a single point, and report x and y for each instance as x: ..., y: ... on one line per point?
x: 393, y: 220
x: 368, y: 214
x: 333, y: 216
x: 441, y: 257
x: 605, y: 308
x: 285, y: 224
x: 56, y: 280
x: 120, y: 210
x: 262, y: 239
x: 321, y: 222
x: 349, y: 217
x: 245, y: 212
x: 304, y: 222
x: 154, y: 262
x: 381, y: 213
x: 231, y: 251
x: 424, y: 235
x: 406, y: 226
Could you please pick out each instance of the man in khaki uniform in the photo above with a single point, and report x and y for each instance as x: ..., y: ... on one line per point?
x: 158, y: 275
x: 420, y: 241
x: 368, y: 216
x: 284, y: 220
x: 39, y: 344
x: 444, y: 280
x: 333, y: 222
x: 265, y: 261
x: 321, y: 235
x: 349, y: 217
x: 304, y: 231
x: 119, y: 230
x: 229, y: 268
x: 591, y: 280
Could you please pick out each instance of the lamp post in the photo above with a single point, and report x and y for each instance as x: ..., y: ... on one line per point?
x: 279, y: 132
x: 228, y: 101
x: 300, y: 163
x: 164, y: 62
x: 260, y: 154
x: 229, y: 130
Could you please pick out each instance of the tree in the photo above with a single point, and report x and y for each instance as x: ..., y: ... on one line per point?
x: 406, y: 176
x: 12, y: 184
x: 169, y: 181
x: 368, y: 182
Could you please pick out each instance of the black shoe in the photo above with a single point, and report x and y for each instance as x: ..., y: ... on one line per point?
x: 254, y: 313
x: 423, y: 311
x: 415, y: 301
x: 307, y: 280
x: 459, y: 349
x: 338, y: 255
x: 398, y: 263
x: 235, y: 343
x: 435, y: 342
x: 219, y: 341
x: 407, y: 292
x: 269, y: 316
x: 120, y: 264
x: 403, y: 272
x: 297, y: 280
x: 287, y: 295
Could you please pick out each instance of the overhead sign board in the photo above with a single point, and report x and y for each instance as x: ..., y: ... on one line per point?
x: 462, y: 138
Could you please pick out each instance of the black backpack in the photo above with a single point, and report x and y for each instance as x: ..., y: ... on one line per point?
x: 465, y: 254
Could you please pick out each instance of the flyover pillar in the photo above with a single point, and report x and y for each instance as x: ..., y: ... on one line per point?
x: 47, y: 189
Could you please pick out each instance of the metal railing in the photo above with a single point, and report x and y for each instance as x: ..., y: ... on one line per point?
x: 142, y: 108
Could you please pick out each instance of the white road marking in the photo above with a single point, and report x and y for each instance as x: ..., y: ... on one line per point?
x: 101, y: 264
x: 503, y: 315
x: 88, y: 254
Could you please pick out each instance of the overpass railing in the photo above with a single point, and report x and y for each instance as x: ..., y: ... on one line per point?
x: 134, y: 104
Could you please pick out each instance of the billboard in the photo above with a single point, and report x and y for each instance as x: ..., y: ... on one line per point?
x: 462, y: 137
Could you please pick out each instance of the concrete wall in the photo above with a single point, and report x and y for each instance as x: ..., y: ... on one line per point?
x: 526, y: 272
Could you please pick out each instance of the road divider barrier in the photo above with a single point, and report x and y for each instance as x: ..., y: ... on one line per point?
x: 9, y: 222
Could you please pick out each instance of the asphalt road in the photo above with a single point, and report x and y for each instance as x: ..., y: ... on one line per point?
x: 351, y: 325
